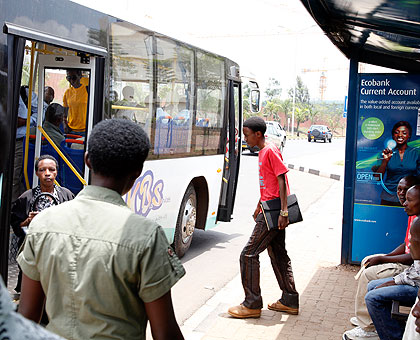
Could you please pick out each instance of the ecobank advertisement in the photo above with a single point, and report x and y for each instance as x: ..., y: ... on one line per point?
x: 388, y: 145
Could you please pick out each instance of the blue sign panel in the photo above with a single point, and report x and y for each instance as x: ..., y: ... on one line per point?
x: 388, y: 149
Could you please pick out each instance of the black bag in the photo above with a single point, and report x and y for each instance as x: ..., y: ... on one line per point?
x: 271, y: 211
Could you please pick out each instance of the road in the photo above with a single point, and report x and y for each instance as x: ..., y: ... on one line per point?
x: 213, y: 259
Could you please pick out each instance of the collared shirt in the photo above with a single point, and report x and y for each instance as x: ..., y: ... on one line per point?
x: 98, y: 263
x: 23, y: 113
x: 410, y: 276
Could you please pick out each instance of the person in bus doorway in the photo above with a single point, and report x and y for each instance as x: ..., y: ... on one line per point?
x: 402, y: 287
x: 103, y: 269
x: 75, y: 102
x: 378, y: 266
x: 32, y: 201
x: 273, y: 184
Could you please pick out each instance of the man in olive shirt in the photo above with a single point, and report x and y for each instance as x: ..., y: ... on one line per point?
x: 103, y: 269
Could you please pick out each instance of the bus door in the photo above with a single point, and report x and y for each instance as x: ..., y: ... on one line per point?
x: 232, y: 152
x: 60, y: 73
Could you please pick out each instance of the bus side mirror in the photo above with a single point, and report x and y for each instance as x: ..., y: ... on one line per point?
x: 254, y: 98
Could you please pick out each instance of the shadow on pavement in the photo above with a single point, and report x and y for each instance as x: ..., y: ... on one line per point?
x: 205, y: 240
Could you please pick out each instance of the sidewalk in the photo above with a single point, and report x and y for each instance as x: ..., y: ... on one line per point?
x: 326, y: 288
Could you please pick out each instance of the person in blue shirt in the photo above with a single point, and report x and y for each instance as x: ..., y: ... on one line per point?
x: 397, y: 162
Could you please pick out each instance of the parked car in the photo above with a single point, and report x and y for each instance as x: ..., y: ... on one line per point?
x: 319, y: 132
x: 274, y: 133
x: 280, y: 132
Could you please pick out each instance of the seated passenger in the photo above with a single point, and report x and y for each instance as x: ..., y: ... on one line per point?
x: 104, y: 270
x: 24, y: 209
x: 402, y: 287
x: 53, y: 118
x: 378, y: 267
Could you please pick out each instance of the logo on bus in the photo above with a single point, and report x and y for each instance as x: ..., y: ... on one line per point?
x: 145, y: 195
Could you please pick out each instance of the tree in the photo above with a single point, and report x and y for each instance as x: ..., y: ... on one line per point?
x: 302, y: 101
x: 302, y: 92
x: 272, y: 108
x: 273, y: 90
x: 286, y: 107
x: 246, y: 92
x: 301, y: 115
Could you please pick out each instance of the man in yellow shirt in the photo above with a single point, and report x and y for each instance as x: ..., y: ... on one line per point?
x: 75, y: 101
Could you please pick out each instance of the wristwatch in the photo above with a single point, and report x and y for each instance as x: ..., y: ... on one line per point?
x: 284, y: 213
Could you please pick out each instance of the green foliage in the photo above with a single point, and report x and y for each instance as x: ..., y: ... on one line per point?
x: 302, y: 92
x: 273, y: 90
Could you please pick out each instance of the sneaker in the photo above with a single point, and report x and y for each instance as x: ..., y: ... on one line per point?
x: 279, y: 307
x: 354, y: 321
x: 359, y: 333
x: 242, y: 312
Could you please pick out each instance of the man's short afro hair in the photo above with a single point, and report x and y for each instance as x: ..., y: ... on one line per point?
x: 117, y: 147
x: 256, y: 124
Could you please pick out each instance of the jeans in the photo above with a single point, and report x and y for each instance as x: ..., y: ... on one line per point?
x: 274, y: 242
x: 379, y: 303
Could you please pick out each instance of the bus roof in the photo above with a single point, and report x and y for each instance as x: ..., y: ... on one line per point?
x: 378, y: 32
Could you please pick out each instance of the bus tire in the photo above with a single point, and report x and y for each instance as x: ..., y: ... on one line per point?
x: 185, y: 224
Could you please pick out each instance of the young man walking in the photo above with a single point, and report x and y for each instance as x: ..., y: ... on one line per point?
x: 273, y: 184
x: 104, y: 270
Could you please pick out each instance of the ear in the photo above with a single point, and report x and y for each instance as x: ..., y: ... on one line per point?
x: 259, y: 134
x: 87, y: 160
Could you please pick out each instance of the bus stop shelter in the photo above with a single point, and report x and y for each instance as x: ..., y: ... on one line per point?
x: 384, y: 33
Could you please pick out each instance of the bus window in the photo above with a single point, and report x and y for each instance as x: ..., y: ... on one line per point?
x: 174, y: 113
x: 131, y: 76
x: 211, y: 92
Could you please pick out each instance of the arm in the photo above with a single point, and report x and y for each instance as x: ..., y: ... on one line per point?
x: 387, y: 154
x: 416, y: 314
x: 32, y: 299
x: 398, y: 255
x: 21, y: 122
x: 283, y: 221
x: 162, y: 319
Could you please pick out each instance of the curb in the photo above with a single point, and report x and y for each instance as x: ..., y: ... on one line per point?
x: 314, y: 172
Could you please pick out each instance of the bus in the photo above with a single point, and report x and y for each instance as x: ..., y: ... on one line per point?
x: 188, y: 100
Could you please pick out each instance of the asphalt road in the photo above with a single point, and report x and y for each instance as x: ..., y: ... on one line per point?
x: 213, y: 258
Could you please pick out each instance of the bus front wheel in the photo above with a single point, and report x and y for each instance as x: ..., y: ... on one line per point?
x: 186, y: 221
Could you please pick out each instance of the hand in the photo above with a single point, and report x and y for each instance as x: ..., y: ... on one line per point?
x: 256, y: 212
x: 283, y: 222
x: 416, y: 314
x: 387, y: 284
x: 387, y: 154
x: 29, y: 219
x: 373, y: 261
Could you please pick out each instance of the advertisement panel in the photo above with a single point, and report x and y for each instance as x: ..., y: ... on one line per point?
x: 388, y: 145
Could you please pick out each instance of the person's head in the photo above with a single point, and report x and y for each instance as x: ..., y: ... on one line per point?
x: 113, y: 96
x: 401, y: 132
x: 404, y: 184
x: 48, y: 94
x: 73, y: 77
x: 46, y: 168
x: 128, y: 93
x: 412, y: 202
x: 117, y: 149
x: 54, y: 114
x: 254, y: 130
x: 415, y: 239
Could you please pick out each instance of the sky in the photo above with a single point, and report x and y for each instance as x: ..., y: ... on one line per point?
x: 267, y: 38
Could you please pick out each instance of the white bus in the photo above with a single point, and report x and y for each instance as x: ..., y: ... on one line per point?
x: 188, y: 100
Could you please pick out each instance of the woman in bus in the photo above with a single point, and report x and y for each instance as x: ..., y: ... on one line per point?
x: 397, y: 161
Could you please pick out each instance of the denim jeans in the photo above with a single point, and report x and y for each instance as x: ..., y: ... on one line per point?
x: 379, y: 303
